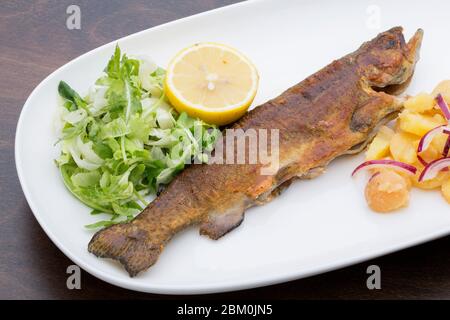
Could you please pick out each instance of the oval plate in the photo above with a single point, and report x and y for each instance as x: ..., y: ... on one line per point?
x: 316, y: 225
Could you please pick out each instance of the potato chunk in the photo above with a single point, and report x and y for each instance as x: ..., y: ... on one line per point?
x: 420, y: 103
x: 387, y: 191
x: 430, y: 154
x: 403, y: 147
x: 446, y: 190
x: 407, y: 177
x: 419, y: 124
x: 439, y: 142
x: 434, y: 183
x: 379, y: 147
x: 443, y: 88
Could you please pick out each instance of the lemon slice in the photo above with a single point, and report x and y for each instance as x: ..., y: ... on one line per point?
x: 211, y: 81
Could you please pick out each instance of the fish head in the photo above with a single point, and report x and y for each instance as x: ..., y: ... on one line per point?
x: 386, y: 65
x: 387, y: 62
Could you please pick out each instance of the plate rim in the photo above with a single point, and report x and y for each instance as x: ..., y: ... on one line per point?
x: 135, y: 284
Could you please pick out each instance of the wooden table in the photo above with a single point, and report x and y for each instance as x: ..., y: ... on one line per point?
x: 34, y: 42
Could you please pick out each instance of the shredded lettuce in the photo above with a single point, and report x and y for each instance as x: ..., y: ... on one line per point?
x: 124, y: 140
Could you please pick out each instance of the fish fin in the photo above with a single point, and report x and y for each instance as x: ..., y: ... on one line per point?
x: 378, y: 106
x: 218, y: 224
x: 414, y: 45
x: 128, y: 244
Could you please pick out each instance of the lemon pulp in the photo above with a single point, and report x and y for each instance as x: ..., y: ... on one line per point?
x: 211, y: 81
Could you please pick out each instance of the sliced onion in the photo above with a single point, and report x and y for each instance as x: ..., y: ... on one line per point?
x: 425, y: 141
x: 371, y: 164
x: 446, y: 147
x: 422, y: 161
x: 443, y: 105
x: 374, y: 175
x: 433, y: 168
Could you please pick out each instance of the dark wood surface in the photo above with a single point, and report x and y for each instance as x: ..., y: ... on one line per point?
x: 34, y: 41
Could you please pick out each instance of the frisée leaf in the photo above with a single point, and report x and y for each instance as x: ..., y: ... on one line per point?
x: 124, y: 140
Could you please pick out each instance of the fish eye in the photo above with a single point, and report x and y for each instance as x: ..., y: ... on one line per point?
x: 391, y: 44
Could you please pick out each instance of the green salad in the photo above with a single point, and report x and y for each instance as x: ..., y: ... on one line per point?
x: 123, y: 141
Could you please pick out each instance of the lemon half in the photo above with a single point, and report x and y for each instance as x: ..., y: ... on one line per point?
x: 211, y: 81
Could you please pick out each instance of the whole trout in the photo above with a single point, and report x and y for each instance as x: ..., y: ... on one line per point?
x: 333, y: 112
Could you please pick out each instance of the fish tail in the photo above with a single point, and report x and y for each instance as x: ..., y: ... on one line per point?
x: 129, y: 244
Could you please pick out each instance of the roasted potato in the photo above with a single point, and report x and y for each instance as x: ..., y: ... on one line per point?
x: 432, y: 183
x: 419, y: 124
x: 446, y: 190
x: 387, y: 191
x: 420, y: 103
x: 379, y: 148
x: 403, y: 147
x: 443, y: 88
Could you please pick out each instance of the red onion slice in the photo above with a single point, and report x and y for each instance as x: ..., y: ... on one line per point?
x: 433, y: 168
x: 425, y: 141
x: 374, y: 175
x: 446, y: 147
x: 443, y: 105
x: 371, y: 164
x: 422, y: 161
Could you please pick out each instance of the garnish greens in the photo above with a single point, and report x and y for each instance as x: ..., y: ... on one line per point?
x: 123, y: 140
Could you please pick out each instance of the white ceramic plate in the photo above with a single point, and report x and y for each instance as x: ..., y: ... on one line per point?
x: 316, y: 225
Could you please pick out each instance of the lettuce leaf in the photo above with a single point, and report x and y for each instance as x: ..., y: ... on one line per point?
x: 124, y: 140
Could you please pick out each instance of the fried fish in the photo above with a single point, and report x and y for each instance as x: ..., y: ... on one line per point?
x: 333, y: 112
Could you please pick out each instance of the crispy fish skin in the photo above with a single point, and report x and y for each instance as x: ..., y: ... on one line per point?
x: 333, y: 112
